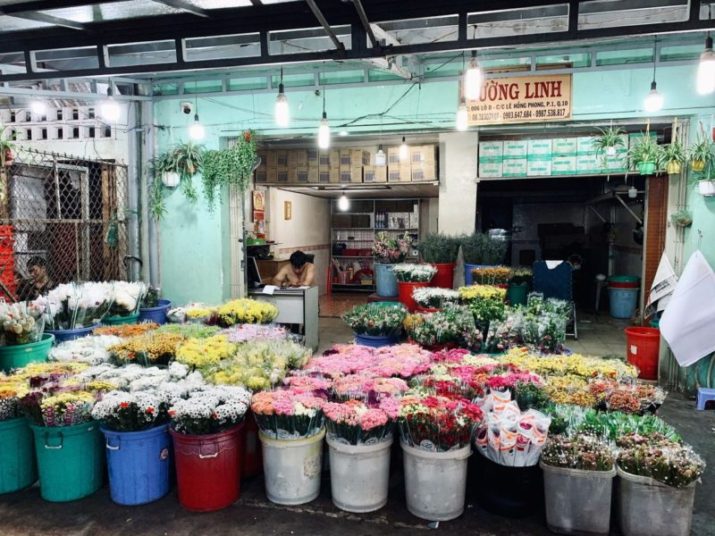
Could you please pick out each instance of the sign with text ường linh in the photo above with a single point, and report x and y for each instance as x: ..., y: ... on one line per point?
x: 522, y: 99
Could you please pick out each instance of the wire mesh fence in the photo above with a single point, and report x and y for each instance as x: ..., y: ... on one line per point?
x: 68, y: 212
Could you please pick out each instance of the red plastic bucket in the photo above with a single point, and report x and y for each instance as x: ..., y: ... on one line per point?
x: 444, y: 278
x: 643, y: 350
x: 208, y: 469
x: 405, y: 290
x: 251, y: 453
x: 614, y: 284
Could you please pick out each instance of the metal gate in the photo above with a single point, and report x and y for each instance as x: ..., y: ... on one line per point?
x: 67, y: 210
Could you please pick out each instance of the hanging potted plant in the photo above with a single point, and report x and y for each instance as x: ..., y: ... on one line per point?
x: 359, y: 438
x: 291, y: 433
x: 682, y: 218
x: 172, y: 169
x: 645, y: 155
x: 376, y: 324
x: 701, y: 154
x: 388, y: 250
x: 441, y: 251
x: 578, y: 480
x: 134, y: 427
x: 233, y: 166
x: 656, y: 491
x: 412, y: 276
x: 207, y: 446
x: 609, y: 141
x: 674, y: 156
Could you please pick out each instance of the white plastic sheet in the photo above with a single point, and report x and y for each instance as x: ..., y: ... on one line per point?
x: 688, y: 321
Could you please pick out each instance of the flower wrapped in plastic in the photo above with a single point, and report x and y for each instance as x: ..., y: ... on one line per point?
x: 434, y: 298
x: 92, y: 350
x: 288, y: 414
x: 481, y: 292
x: 126, y: 296
x: 21, y: 323
x: 492, y: 275
x: 76, y: 305
x: 375, y: 319
x: 414, y: 273
x: 390, y: 249
x: 210, y: 410
x: 583, y: 452
x: 11, y: 391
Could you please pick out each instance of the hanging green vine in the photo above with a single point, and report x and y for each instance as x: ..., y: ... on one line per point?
x: 227, y: 167
x: 186, y: 160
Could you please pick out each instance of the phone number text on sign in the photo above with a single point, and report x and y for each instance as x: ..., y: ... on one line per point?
x: 522, y: 100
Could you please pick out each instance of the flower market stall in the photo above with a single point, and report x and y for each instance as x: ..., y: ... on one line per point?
x: 540, y: 429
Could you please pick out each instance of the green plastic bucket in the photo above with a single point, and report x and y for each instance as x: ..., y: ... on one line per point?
x: 517, y: 294
x: 118, y: 320
x: 19, y: 355
x: 17, y: 456
x: 70, y: 461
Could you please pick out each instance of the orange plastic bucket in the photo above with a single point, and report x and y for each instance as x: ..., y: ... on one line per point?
x: 643, y: 350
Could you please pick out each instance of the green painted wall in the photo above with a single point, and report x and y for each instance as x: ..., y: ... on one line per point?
x: 194, y: 248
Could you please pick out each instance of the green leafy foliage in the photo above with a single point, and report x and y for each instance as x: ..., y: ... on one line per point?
x: 439, y: 248
x: 229, y: 167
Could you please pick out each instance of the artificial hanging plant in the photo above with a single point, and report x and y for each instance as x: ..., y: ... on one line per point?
x: 229, y: 167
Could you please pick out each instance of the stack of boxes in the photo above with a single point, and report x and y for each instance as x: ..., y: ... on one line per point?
x: 345, y: 166
x: 491, y: 155
x: 515, y: 158
x: 564, y: 155
x: 588, y: 161
x: 538, y: 160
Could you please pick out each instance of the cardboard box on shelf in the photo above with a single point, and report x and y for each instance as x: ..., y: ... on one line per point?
x: 281, y: 158
x: 271, y: 175
x: 565, y: 146
x: 586, y: 145
x: 399, y: 173
x: 588, y: 164
x: 345, y: 158
x: 424, y: 171
x: 313, y: 174
x: 393, y: 156
x: 313, y: 159
x: 350, y: 174
x: 334, y: 158
x: 539, y: 148
x: 423, y: 154
x: 374, y: 174
x: 359, y: 158
x: 324, y: 159
x: 271, y: 160
x: 563, y: 165
x: 299, y: 175
x: 491, y: 149
x: 538, y: 168
x: 334, y: 174
x: 297, y: 158
x: 514, y: 167
x: 615, y: 163
x: 282, y: 175
x: 324, y: 174
x: 261, y: 174
x: 515, y: 149
x: 490, y: 170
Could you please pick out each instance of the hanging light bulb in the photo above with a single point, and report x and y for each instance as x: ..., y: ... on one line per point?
x: 343, y: 203
x: 38, y: 107
x: 473, y: 79
x: 281, y: 110
x: 196, y: 129
x: 324, y: 133
x: 109, y: 108
x: 654, y: 99
x: 404, y: 151
x: 706, y: 69
x: 380, y: 157
x: 462, y: 116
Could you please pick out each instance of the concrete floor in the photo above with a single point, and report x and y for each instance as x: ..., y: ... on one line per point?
x: 25, y: 513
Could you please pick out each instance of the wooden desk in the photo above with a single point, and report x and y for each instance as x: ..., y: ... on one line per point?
x: 269, y: 268
x: 295, y: 306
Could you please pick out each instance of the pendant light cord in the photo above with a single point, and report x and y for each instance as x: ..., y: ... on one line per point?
x: 655, y: 54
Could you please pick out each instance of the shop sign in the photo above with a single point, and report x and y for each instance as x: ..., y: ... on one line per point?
x: 523, y: 99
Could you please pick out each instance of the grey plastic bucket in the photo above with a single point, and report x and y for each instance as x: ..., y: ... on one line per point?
x: 647, y: 507
x: 578, y: 501
x: 435, y: 482
x: 359, y: 475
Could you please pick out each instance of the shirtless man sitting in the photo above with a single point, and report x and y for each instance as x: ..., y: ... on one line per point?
x: 298, y: 273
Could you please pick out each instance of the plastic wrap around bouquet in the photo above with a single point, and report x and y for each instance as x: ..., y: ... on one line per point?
x: 509, y: 436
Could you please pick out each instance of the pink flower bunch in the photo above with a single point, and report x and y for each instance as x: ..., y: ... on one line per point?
x: 342, y: 359
x: 453, y: 355
x: 365, y: 386
x: 315, y: 385
x: 404, y: 360
x: 252, y: 332
x: 288, y: 412
x: 357, y: 422
x: 510, y: 379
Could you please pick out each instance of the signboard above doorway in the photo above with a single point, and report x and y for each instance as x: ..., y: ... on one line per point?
x: 522, y: 99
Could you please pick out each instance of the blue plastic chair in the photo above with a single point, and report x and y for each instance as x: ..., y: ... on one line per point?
x: 556, y: 283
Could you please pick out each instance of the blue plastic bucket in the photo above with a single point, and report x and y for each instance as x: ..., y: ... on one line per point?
x: 139, y: 464
x: 376, y: 341
x: 622, y: 301
x: 64, y: 335
x: 385, y: 280
x: 155, y: 314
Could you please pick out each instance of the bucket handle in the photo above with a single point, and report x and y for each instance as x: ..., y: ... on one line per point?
x: 54, y: 447
x: 111, y: 447
x: 205, y: 456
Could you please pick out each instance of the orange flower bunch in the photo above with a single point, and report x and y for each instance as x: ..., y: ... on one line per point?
x: 126, y: 330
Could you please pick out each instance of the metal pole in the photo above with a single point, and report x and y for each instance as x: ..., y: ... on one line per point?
x: 152, y: 227
x: 134, y: 169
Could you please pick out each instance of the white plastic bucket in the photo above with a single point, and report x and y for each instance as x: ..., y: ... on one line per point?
x: 435, y: 482
x: 359, y: 475
x: 578, y: 501
x: 648, y: 507
x: 291, y: 468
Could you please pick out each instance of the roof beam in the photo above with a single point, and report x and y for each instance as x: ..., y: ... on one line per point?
x: 365, y: 23
x: 44, y: 17
x: 185, y: 6
x: 325, y: 24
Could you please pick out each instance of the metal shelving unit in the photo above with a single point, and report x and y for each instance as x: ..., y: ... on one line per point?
x: 352, y: 235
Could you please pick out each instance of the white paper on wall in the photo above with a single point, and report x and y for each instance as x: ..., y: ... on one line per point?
x: 688, y: 321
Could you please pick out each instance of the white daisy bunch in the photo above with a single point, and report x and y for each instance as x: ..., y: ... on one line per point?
x: 210, y: 410
x: 130, y: 412
x: 414, y: 273
x: 92, y: 349
x: 174, y: 390
x: 434, y: 297
x: 127, y: 296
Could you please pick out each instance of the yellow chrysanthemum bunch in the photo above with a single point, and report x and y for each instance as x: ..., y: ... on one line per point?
x: 574, y: 364
x: 570, y: 389
x: 150, y: 348
x: 200, y: 353
x: 42, y: 369
x: 196, y: 313
x: 481, y: 292
x: 247, y: 311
